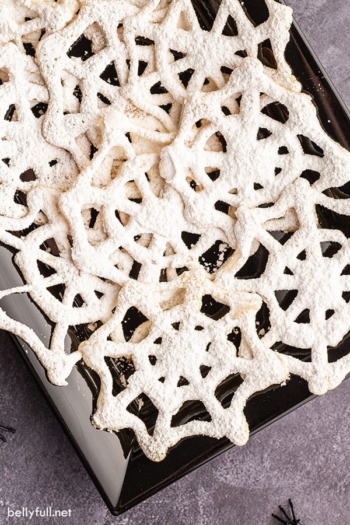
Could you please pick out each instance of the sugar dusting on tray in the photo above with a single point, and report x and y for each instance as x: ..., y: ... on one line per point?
x: 145, y: 163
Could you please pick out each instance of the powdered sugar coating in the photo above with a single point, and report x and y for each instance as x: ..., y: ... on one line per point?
x: 182, y: 342
x: 169, y: 155
x: 26, y: 21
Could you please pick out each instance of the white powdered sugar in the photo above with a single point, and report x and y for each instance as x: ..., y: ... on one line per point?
x: 161, y: 185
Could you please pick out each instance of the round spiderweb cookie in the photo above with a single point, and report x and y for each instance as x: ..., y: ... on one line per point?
x: 172, y: 199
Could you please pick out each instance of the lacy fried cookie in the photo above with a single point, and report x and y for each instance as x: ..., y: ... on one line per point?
x: 146, y: 162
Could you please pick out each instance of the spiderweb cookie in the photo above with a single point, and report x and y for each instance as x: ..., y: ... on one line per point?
x: 163, y: 187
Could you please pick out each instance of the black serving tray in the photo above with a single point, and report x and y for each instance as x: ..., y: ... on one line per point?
x: 123, y: 475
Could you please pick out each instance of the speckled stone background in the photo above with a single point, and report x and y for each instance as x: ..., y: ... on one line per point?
x: 305, y: 455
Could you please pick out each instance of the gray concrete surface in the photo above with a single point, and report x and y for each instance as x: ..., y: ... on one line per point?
x: 305, y: 455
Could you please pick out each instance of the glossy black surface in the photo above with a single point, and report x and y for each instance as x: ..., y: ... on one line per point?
x: 121, y: 472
